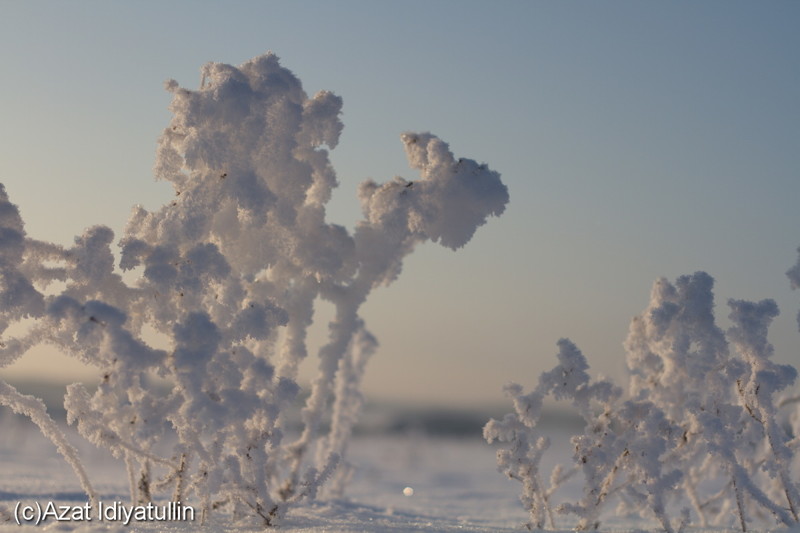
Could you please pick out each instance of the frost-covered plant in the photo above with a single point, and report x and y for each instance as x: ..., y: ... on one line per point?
x: 21, y: 266
x: 700, y: 433
x: 229, y: 272
x: 567, y: 381
x: 619, y: 450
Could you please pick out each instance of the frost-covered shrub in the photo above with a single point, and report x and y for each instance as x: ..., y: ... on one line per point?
x: 229, y: 272
x: 699, y: 437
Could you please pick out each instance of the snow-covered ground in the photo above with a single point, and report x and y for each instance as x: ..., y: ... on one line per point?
x: 404, y: 481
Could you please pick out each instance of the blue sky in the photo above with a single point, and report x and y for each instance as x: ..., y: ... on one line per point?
x: 637, y: 139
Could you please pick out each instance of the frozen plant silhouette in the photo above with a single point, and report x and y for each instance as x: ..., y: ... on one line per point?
x: 230, y: 271
x: 702, y: 433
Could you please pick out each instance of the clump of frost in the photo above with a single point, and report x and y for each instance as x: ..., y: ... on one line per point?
x: 794, y: 278
x: 230, y: 269
x: 702, y: 434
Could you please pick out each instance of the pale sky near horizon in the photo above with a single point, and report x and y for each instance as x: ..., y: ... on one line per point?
x: 637, y: 140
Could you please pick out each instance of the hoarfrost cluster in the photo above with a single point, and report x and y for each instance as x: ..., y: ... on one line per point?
x: 707, y: 433
x: 229, y: 272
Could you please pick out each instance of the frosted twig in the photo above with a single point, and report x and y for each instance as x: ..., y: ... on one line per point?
x: 35, y: 409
